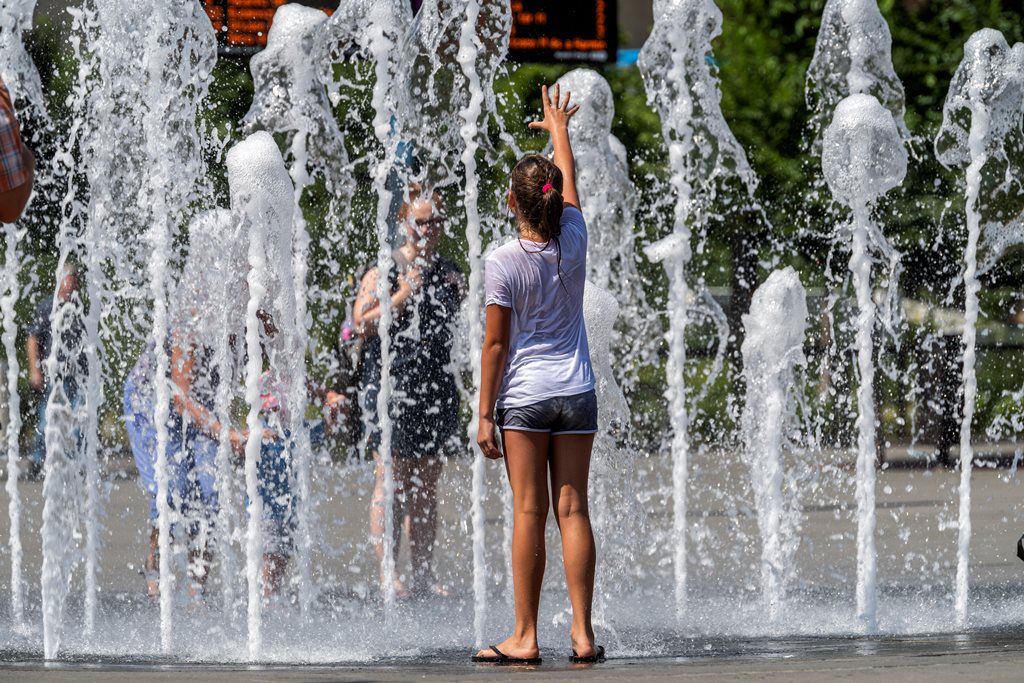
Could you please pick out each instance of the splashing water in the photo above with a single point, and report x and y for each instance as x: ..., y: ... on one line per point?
x: 262, y: 191
x: 984, y: 105
x: 290, y: 99
x: 863, y: 157
x: 703, y: 154
x: 136, y: 208
x: 772, y: 347
x: 376, y: 30
x: 610, y: 201
x: 853, y: 56
x: 22, y: 79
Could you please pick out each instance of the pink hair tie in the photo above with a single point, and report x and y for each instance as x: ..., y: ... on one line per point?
x: 544, y: 190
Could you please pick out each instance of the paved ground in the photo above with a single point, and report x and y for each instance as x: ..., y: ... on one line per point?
x: 916, y: 541
x: 987, y: 658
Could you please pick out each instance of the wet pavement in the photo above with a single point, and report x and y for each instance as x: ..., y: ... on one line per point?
x: 984, y: 655
x: 916, y: 541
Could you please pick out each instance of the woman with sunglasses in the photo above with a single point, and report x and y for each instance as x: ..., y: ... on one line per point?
x: 426, y: 294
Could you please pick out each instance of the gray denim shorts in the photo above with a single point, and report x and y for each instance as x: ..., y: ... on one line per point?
x: 559, y: 415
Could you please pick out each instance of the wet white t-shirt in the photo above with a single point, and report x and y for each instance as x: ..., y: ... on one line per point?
x: 548, y: 353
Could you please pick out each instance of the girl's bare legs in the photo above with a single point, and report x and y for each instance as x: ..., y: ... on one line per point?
x: 377, y: 521
x: 421, y: 477
x: 526, y: 459
x: 570, y: 470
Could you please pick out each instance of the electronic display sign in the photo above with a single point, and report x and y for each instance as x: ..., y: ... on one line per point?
x: 242, y: 25
x: 564, y: 31
x: 542, y: 30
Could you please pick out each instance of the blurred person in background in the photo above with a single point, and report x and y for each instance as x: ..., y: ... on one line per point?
x: 72, y: 324
x: 426, y: 295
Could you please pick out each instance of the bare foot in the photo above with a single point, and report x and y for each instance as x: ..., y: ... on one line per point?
x: 583, y: 644
x: 513, y: 647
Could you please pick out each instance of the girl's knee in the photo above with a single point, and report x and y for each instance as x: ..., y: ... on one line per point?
x: 570, y: 507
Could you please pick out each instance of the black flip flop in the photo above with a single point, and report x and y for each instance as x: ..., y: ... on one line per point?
x: 595, y: 658
x: 504, y: 659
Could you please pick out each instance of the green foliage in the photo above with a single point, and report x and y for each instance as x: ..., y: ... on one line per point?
x: 763, y: 56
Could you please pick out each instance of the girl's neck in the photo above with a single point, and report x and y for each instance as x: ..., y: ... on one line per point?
x: 529, y: 234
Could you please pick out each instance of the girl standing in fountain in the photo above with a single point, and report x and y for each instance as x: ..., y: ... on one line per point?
x: 426, y: 293
x: 537, y: 386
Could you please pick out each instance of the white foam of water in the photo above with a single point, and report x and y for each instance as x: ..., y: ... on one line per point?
x: 289, y: 98
x: 985, y: 103
x: 10, y: 334
x: 862, y: 158
x: 261, y: 192
x: 16, y: 67
x: 853, y: 55
x: 470, y: 130
x: 774, y: 332
x: 703, y: 152
x: 610, y: 202
x: 376, y: 30
x: 22, y: 80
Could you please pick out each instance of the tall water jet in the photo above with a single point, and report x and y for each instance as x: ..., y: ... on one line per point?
x: 180, y: 52
x: 211, y: 302
x: 704, y: 156
x: 984, y: 106
x: 852, y: 56
x: 774, y: 332
x: 480, y: 91
x: 600, y: 313
x: 863, y: 157
x: 263, y: 196
x: 376, y: 29
x: 290, y: 99
x: 21, y: 78
x: 8, y: 300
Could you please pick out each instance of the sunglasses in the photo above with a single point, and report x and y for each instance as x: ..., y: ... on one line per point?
x: 434, y: 223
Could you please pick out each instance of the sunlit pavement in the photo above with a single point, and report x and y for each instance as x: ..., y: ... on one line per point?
x: 916, y: 533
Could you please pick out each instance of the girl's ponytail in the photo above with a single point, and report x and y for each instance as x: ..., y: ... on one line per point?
x: 550, y: 212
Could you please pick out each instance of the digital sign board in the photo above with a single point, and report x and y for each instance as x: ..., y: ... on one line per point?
x: 242, y: 25
x: 542, y: 30
x: 564, y: 31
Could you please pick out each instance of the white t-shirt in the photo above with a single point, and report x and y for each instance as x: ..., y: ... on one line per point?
x: 548, y: 353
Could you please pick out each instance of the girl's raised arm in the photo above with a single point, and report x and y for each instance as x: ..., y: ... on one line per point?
x: 556, y: 122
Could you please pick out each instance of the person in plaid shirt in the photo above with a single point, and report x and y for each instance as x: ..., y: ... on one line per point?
x: 17, y: 164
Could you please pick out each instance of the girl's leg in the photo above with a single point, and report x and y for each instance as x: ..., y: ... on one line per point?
x: 377, y: 519
x: 422, y: 506
x: 526, y: 459
x: 570, y: 469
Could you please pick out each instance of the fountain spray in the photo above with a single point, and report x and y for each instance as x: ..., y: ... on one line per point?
x: 21, y: 77
x: 470, y: 131
x: 772, y: 348
x: 177, y: 63
x: 987, y: 90
x: 10, y: 334
x: 377, y: 29
x: 263, y: 196
x: 290, y: 99
x: 863, y: 157
x: 853, y: 55
x: 703, y: 154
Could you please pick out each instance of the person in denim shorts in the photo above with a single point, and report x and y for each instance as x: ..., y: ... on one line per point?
x: 537, y: 386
